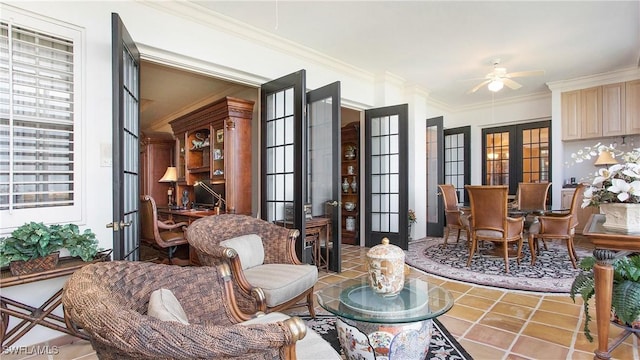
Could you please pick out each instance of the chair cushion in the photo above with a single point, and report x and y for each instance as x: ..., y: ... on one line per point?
x: 489, y: 233
x: 311, y: 346
x: 249, y: 248
x: 282, y: 282
x: 164, y: 306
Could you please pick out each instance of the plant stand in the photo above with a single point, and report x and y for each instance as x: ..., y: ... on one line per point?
x: 608, y: 246
x: 42, y: 315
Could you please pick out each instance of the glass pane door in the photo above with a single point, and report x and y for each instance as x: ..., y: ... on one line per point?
x: 323, y: 164
x: 457, y: 167
x: 386, y: 173
x: 435, y: 204
x: 283, y: 163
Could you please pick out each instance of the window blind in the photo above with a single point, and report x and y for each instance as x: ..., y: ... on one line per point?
x: 37, y: 149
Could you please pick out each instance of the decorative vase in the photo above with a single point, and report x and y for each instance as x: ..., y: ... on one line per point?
x: 349, y: 206
x: 621, y: 216
x: 350, y: 223
x: 354, y: 185
x: 44, y: 263
x: 350, y: 153
x: 385, y: 265
x: 345, y: 185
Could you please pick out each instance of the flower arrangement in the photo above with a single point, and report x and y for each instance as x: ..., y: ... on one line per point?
x: 619, y: 183
x: 412, y: 217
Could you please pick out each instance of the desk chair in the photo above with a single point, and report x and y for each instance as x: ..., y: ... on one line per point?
x: 489, y: 220
x: 164, y: 235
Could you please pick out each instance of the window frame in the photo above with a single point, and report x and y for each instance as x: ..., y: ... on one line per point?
x: 75, y: 213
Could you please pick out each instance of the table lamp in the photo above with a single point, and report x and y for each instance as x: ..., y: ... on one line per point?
x: 605, y: 158
x: 170, y: 176
x: 219, y: 197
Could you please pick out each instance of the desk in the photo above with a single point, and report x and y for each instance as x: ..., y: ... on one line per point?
x: 187, y: 216
x: 43, y: 315
x: 609, y: 245
x: 322, y: 224
x: 366, y: 318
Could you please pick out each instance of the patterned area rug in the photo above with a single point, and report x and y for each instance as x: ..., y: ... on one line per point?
x: 552, y: 272
x: 443, y: 345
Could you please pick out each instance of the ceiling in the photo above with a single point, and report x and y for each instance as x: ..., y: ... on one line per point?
x: 447, y: 47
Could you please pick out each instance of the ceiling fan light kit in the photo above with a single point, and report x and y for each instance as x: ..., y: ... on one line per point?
x: 495, y: 85
x: 498, y: 78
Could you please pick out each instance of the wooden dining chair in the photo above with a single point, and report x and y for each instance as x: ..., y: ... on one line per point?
x: 560, y: 226
x: 489, y: 220
x: 533, y: 196
x: 456, y: 218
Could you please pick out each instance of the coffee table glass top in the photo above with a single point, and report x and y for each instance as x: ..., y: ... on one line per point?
x: 354, y: 299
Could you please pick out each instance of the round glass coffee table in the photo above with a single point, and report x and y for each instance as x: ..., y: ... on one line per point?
x: 372, y: 326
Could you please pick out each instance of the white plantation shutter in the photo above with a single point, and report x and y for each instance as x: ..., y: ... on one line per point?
x: 38, y: 125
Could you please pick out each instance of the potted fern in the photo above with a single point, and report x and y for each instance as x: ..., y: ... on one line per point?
x: 625, y: 300
x: 35, y: 246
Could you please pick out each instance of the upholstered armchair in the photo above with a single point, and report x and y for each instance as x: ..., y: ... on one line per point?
x: 110, y: 301
x: 561, y: 226
x: 456, y: 219
x: 489, y: 221
x: 262, y: 258
x: 532, y: 196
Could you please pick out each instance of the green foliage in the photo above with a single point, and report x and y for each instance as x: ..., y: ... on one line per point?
x: 34, y: 240
x: 625, y: 299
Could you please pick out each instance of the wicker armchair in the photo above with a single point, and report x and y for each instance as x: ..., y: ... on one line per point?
x: 109, y: 301
x: 279, y: 276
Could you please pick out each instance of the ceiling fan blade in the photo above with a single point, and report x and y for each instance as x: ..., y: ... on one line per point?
x: 511, y: 84
x: 525, y: 73
x: 479, y: 86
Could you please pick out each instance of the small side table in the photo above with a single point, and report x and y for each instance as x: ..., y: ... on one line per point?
x: 42, y: 315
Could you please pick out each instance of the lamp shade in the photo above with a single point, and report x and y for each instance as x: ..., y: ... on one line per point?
x: 605, y: 158
x: 495, y: 85
x: 171, y: 175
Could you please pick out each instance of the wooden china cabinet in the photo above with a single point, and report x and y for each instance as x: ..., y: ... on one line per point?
x: 350, y: 183
x: 213, y: 145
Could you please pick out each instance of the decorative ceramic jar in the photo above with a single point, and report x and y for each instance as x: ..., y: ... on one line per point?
x: 345, y: 185
x: 621, y: 216
x: 354, y: 185
x: 350, y: 152
x: 349, y: 206
x: 385, y: 264
x: 350, y: 223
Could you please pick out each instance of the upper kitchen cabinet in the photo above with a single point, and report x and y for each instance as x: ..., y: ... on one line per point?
x: 632, y: 106
x: 601, y: 111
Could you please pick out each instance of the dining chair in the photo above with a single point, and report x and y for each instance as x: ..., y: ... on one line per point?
x: 560, y: 226
x: 489, y: 220
x: 533, y: 196
x: 456, y: 218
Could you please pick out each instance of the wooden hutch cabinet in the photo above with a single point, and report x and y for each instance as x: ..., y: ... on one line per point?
x: 213, y: 145
x: 156, y: 151
x: 350, y: 183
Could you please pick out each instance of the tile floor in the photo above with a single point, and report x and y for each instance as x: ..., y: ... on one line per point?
x: 490, y: 323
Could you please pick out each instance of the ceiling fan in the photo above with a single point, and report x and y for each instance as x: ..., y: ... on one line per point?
x: 499, y: 77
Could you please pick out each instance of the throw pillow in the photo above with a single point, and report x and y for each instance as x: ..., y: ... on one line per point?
x: 164, y: 306
x: 249, y: 248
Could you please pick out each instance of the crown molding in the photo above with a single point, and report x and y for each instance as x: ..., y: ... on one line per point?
x: 204, y: 16
x: 595, y: 80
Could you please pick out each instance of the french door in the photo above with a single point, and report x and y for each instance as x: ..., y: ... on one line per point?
x: 300, y: 157
x: 386, y: 173
x: 516, y: 153
x: 125, y: 60
x: 435, y: 154
x: 457, y: 167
